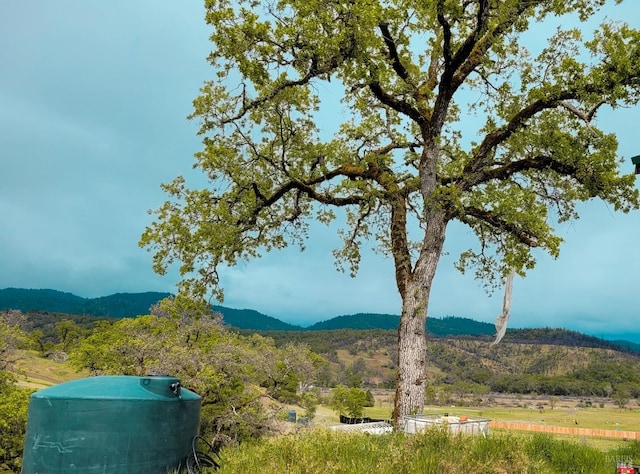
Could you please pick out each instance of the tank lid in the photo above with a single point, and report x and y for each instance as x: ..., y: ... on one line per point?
x: 118, y: 387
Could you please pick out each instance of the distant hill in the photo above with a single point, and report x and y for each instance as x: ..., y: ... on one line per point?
x: 566, y: 338
x: 358, y: 321
x: 447, y: 326
x: 119, y: 305
x: 253, y: 320
x: 457, y: 326
x: 49, y: 300
x: 627, y: 345
x: 122, y: 305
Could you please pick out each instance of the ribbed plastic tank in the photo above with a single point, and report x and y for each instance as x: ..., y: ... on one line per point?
x: 111, y: 424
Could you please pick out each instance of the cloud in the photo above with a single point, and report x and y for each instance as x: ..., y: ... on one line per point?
x: 93, y: 118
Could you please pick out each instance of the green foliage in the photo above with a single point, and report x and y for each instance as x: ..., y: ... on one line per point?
x: 309, y: 401
x: 285, y: 386
x: 400, y: 153
x: 68, y: 334
x: 621, y: 397
x: 12, y: 338
x: 224, y: 368
x: 348, y: 400
x: 14, y: 404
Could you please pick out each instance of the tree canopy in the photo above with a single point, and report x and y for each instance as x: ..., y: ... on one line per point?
x: 400, y: 156
x: 233, y: 374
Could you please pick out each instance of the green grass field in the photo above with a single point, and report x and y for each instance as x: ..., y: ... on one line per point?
x: 566, y: 412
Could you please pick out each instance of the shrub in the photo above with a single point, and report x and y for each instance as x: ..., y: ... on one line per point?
x: 14, y: 405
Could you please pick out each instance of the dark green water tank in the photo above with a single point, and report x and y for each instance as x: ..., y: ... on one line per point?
x: 111, y: 424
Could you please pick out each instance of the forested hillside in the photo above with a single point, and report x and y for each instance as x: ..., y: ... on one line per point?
x: 48, y: 306
x: 361, y: 349
x: 250, y: 319
x: 544, y: 361
x: 119, y: 305
x: 123, y: 305
x: 447, y: 326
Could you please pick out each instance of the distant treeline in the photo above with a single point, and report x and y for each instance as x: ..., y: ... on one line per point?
x: 544, y: 361
x: 119, y: 305
x: 41, y: 303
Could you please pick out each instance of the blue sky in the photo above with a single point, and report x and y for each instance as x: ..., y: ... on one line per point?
x: 93, y: 104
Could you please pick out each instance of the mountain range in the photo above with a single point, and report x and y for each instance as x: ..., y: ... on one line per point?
x: 123, y: 305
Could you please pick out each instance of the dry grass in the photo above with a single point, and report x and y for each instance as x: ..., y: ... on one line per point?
x: 36, y: 372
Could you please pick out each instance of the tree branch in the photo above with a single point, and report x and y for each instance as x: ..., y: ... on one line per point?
x: 470, y: 54
x: 499, y: 223
x: 398, y: 67
x: 400, y: 106
x: 315, y: 70
x: 446, y: 33
x: 475, y: 47
x: 539, y: 162
x: 463, y: 53
x: 498, y: 136
x: 582, y: 114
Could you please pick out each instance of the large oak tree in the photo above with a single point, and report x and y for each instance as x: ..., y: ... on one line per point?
x: 398, y: 160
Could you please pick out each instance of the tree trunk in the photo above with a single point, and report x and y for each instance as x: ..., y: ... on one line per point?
x: 412, y: 343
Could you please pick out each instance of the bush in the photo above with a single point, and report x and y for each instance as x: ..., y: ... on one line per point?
x: 14, y: 405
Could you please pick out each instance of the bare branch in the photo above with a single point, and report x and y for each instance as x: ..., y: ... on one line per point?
x: 581, y: 114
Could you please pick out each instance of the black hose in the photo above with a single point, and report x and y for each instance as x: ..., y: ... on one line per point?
x: 197, y: 459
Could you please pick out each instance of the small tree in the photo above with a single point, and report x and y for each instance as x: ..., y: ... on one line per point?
x: 406, y: 161
x: 187, y: 341
x: 348, y: 400
x: 621, y: 397
x: 309, y: 401
x: 68, y: 334
x: 12, y: 338
x: 14, y: 404
x: 370, y: 400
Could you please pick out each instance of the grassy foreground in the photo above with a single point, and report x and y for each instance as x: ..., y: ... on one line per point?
x: 434, y: 452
